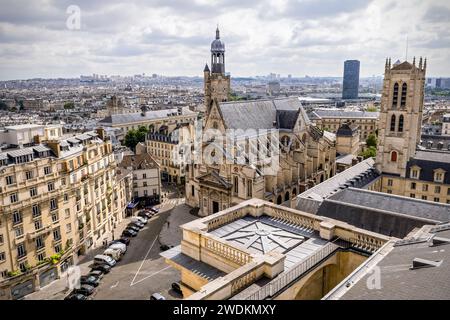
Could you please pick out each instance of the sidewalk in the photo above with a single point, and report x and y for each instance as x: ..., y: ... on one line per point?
x: 171, y: 233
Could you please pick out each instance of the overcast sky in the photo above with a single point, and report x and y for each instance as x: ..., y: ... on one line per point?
x: 172, y: 37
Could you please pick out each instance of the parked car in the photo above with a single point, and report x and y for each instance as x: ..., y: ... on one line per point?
x: 118, y: 246
x: 125, y: 240
x: 90, y: 280
x: 129, y: 233
x: 116, y: 254
x: 101, y: 267
x: 85, y: 289
x: 75, y: 296
x: 102, y: 259
x: 97, y: 274
x: 157, y: 296
x: 176, y: 287
x: 154, y: 209
x: 142, y: 220
x: 138, y: 224
x: 133, y: 227
x: 145, y: 214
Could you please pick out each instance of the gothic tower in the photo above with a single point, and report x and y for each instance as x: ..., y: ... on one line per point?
x: 216, y: 83
x: 400, y: 115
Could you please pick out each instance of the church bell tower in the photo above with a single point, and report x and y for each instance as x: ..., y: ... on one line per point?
x: 216, y: 82
x: 400, y: 118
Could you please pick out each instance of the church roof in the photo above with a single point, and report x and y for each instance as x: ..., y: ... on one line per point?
x: 139, y: 162
x: 206, y: 68
x: 403, y: 66
x: 262, y: 114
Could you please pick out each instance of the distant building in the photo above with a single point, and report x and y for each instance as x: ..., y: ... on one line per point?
x: 351, y: 79
x: 446, y: 125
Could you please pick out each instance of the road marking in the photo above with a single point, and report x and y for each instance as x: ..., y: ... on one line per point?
x: 115, y: 285
x: 143, y: 260
x: 153, y: 274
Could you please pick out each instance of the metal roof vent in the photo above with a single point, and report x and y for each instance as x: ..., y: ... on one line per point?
x: 419, y: 263
x: 437, y: 241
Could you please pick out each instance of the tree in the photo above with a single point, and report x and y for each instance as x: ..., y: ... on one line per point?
x: 69, y: 105
x: 370, y: 152
x: 371, y: 140
x: 133, y: 137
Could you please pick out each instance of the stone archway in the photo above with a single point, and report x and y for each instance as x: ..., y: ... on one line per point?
x: 279, y: 199
x: 294, y: 192
x: 286, y: 196
x: 319, y: 283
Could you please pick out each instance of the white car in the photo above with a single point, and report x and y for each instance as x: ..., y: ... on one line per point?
x: 119, y: 246
x: 139, y: 219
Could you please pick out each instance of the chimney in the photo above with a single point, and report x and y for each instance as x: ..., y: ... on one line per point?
x: 101, y: 133
x: 55, y: 147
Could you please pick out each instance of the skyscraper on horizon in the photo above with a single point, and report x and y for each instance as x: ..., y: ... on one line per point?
x: 351, y: 79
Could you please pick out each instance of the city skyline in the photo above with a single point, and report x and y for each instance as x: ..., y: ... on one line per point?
x: 285, y: 37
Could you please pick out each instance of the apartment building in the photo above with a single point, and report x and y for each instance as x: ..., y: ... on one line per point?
x: 58, y: 199
x: 331, y: 120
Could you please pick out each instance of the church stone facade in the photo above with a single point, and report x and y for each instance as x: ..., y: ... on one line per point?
x: 304, y: 154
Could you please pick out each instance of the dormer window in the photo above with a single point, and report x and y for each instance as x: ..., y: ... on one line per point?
x: 439, y: 175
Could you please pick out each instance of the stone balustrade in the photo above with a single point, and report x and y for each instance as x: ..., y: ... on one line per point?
x: 224, y: 250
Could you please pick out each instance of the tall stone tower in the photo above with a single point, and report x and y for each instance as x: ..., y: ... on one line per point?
x: 400, y: 115
x: 216, y: 83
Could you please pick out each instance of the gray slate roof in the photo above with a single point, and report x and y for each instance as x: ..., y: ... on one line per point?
x: 399, y: 282
x: 261, y: 114
x: 383, y: 213
x: 323, y: 113
x: 429, y: 161
x: 116, y: 119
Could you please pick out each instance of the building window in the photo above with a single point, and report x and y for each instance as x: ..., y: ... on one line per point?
x: 403, y: 98
x: 55, y: 216
x: 400, y: 123
x: 56, y: 234
x: 36, y: 210
x: 68, y: 228
x: 18, y: 232
x: 47, y: 170
x: 29, y: 175
x: 425, y: 187
x: 390, y: 182
x: 33, y: 192
x: 38, y: 224
x: 9, y: 180
x: 448, y: 191
x: 17, y: 217
x: 437, y: 189
x: 394, y: 156
x: 2, y: 256
x: 395, y: 96
x: 236, y: 184
x: 193, y: 190
x: 438, y: 177
x: 21, y: 252
x: 41, y: 256
x: 14, y: 198
x: 53, y: 204
x: 415, y: 173
x: 39, y: 242
x: 58, y: 248
x: 144, y: 176
x: 436, y: 199
x: 424, y: 197
x: 393, y: 122
x: 1, y: 239
x: 412, y: 195
x: 389, y: 191
x: 50, y: 186
x: 249, y: 188
x: 413, y: 185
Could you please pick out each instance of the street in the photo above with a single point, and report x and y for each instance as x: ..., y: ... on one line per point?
x: 141, y: 271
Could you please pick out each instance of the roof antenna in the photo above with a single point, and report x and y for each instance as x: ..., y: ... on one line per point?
x: 406, y: 54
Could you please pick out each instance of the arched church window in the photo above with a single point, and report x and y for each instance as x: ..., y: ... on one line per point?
x: 393, y: 122
x: 400, y: 123
x: 394, y: 156
x: 403, y: 98
x: 215, y: 125
x: 395, y: 96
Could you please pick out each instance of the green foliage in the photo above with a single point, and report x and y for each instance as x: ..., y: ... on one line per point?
x: 133, y: 137
x: 14, y: 273
x: 371, y: 140
x: 372, y: 109
x: 370, y: 152
x: 69, y: 105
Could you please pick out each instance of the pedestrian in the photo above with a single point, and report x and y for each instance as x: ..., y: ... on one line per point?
x: 168, y: 224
